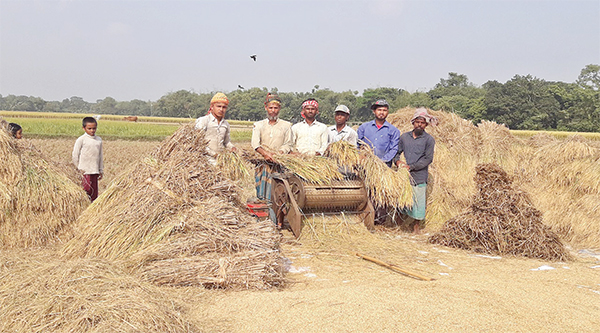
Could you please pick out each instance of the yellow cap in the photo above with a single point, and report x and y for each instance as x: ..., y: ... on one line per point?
x: 219, y: 97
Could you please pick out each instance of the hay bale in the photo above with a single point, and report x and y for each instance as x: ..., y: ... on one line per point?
x: 173, y: 207
x: 502, y: 220
x: 38, y: 199
x: 39, y: 293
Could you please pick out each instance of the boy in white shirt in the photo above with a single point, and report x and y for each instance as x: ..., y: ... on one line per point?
x: 87, y: 157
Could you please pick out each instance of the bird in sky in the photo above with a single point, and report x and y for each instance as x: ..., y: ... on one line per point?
x: 253, y: 57
x: 239, y: 86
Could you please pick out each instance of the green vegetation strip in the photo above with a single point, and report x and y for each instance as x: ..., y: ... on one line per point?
x: 60, y: 115
x: 108, y: 129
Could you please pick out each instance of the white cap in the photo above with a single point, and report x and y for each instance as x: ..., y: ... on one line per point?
x: 342, y: 108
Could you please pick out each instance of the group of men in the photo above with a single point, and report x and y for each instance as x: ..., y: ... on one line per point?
x: 276, y: 136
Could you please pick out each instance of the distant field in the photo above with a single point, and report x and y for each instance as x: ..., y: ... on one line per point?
x: 556, y: 134
x: 51, y: 125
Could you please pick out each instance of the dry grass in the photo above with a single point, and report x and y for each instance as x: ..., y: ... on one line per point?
x: 313, y: 169
x: 38, y: 199
x: 39, y: 293
x: 175, y: 207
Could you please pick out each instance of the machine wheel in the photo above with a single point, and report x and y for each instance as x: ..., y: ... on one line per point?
x: 280, y: 200
x: 297, y: 188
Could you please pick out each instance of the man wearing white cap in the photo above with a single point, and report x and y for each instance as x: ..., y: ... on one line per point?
x: 340, y: 131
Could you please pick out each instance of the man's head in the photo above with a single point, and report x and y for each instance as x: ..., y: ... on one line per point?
x: 272, y: 106
x: 218, y: 105
x: 310, y: 109
x: 421, y: 119
x: 380, y: 109
x: 89, y: 125
x: 342, y: 113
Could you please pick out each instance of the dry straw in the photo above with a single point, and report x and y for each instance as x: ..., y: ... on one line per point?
x: 386, y: 187
x: 502, y: 220
x: 39, y: 293
x: 313, y: 169
x: 38, y: 200
x: 175, y: 207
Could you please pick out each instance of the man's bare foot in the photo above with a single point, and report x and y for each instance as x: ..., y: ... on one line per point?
x: 417, y: 228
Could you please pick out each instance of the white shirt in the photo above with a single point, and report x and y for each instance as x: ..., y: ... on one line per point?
x: 310, y: 139
x: 217, y: 133
x: 87, y: 154
x: 346, y: 134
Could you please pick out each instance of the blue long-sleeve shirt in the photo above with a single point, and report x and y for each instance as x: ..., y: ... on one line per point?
x: 384, y: 140
x: 418, y: 153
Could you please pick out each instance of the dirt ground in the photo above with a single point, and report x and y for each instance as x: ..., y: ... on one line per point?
x: 335, y: 291
x: 332, y: 290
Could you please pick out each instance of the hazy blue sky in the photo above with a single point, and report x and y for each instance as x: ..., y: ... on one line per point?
x: 145, y: 49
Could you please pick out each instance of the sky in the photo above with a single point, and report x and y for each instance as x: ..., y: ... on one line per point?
x: 145, y: 49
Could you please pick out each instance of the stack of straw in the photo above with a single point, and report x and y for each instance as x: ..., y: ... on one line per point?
x: 174, y: 211
x: 39, y: 293
x: 38, y: 200
x: 502, y: 220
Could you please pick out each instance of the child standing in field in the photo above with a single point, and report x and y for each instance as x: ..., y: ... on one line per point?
x: 87, y: 156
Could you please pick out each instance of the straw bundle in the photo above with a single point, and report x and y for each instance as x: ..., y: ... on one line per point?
x: 233, y: 166
x: 386, y: 187
x: 173, y: 207
x: 344, y: 154
x: 502, y: 221
x: 563, y: 151
x: 39, y: 293
x: 313, y: 169
x: 38, y: 200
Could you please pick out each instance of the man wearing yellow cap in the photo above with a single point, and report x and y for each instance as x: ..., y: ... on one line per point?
x: 215, y: 127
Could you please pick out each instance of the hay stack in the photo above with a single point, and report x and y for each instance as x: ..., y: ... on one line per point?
x: 502, y: 220
x: 38, y: 200
x: 452, y: 130
x: 39, y: 293
x: 175, y: 209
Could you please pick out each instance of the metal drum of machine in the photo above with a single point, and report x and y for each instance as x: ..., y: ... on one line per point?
x: 292, y: 197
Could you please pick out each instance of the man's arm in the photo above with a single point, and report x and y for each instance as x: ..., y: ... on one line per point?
x: 393, y: 145
x: 360, y: 134
x: 101, y: 157
x: 227, y: 138
x: 353, y: 137
x: 396, y: 159
x: 255, y: 141
x: 427, y: 157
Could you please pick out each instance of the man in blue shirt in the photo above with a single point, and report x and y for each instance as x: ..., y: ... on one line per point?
x: 379, y: 134
x: 417, y: 146
x: 383, y: 137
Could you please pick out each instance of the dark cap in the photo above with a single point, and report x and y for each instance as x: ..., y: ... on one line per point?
x: 380, y: 102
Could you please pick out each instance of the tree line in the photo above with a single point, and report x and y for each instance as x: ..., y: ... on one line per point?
x: 523, y: 102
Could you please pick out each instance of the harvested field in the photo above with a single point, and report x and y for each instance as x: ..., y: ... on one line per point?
x: 328, y: 288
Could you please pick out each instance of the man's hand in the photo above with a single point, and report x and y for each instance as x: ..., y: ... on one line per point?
x: 401, y: 164
x: 100, y: 176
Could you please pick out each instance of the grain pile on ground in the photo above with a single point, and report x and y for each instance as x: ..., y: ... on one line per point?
x: 176, y: 220
x: 39, y: 293
x: 502, y: 220
x: 38, y: 200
